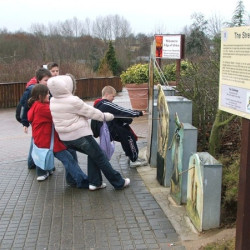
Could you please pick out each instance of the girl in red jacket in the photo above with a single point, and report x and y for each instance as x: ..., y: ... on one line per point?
x: 41, y: 121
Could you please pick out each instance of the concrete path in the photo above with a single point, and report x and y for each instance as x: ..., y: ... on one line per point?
x: 51, y: 215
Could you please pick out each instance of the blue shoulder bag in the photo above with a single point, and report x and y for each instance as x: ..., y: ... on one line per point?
x: 44, y: 157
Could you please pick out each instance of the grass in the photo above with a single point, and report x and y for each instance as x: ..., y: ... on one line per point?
x: 225, y: 245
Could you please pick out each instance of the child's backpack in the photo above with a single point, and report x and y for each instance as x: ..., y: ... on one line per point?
x: 19, y: 112
x: 23, y: 101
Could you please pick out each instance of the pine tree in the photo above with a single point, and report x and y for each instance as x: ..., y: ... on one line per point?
x: 238, y: 18
x: 110, y: 60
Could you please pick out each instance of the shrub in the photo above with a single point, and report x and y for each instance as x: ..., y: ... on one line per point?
x: 230, y: 183
x: 169, y: 70
x: 137, y: 74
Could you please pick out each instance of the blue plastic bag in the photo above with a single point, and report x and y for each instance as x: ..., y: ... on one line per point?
x: 106, y: 145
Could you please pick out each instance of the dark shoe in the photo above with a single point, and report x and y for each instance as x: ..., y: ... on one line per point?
x: 73, y: 185
x: 51, y: 172
x: 32, y: 166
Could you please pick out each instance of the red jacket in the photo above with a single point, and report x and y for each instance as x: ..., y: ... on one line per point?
x: 31, y: 81
x: 41, y: 121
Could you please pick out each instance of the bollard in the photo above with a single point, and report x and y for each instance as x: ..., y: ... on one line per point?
x: 168, y: 91
x: 183, y: 107
x: 204, y: 191
x: 183, y: 145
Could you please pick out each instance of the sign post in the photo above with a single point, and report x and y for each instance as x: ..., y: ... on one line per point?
x: 234, y: 97
x: 170, y: 47
x: 243, y: 205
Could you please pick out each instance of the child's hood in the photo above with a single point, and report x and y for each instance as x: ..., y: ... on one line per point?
x: 31, y: 82
x: 97, y: 101
x: 61, y: 86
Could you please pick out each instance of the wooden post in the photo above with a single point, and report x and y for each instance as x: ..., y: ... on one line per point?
x: 243, y: 204
x: 150, y: 100
x: 178, y: 70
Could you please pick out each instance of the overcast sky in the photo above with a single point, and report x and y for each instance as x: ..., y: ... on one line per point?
x: 143, y: 15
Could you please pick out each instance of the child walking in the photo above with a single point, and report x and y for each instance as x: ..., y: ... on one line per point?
x: 41, y: 121
x: 70, y: 115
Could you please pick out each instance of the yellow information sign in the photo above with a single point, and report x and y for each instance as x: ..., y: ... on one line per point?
x: 234, y: 91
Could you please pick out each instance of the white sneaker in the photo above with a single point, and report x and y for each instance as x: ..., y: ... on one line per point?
x: 93, y: 188
x: 138, y: 163
x: 43, y: 177
x: 126, y: 183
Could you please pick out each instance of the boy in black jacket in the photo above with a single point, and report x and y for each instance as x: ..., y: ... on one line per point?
x: 119, y: 127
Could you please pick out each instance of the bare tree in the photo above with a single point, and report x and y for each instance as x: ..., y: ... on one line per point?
x: 111, y: 27
x: 214, y: 26
x: 78, y: 27
x: 40, y: 32
x: 66, y: 29
x: 160, y: 28
x: 102, y: 28
x: 120, y: 27
x: 87, y: 26
x: 38, y: 29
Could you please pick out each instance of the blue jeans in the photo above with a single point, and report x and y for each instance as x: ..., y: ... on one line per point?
x: 73, y: 173
x: 40, y: 171
x: 97, y: 162
x: 31, y: 163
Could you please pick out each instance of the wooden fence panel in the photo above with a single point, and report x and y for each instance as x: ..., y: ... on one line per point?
x: 87, y: 88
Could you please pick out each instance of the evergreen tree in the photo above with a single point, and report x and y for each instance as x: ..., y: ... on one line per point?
x: 196, y: 40
x: 239, y: 14
x: 110, y: 60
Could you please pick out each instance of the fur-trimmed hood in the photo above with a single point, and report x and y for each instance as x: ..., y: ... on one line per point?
x: 61, y: 86
x: 70, y: 113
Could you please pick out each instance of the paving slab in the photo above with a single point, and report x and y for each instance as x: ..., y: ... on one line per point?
x: 52, y: 215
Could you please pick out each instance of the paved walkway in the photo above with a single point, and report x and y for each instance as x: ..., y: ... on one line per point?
x: 51, y: 215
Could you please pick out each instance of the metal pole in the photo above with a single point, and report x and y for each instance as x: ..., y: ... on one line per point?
x: 159, y: 62
x: 243, y: 204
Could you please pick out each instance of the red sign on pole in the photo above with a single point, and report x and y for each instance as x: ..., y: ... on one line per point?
x: 169, y: 46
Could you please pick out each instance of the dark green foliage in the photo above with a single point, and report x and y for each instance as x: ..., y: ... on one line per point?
x: 230, y: 183
x: 169, y: 70
x: 239, y: 15
x: 197, y: 39
x: 200, y: 84
x: 110, y: 60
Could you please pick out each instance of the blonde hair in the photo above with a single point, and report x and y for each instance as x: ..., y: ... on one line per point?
x: 108, y: 90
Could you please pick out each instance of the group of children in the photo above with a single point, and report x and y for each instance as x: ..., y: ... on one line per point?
x: 50, y: 99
